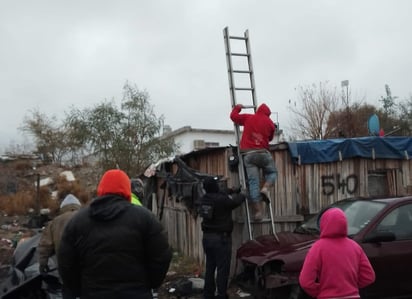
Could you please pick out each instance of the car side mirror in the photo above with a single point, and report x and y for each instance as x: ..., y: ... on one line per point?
x: 376, y: 237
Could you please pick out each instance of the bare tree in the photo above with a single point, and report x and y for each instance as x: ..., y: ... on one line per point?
x: 405, y: 116
x: 49, y: 136
x: 350, y: 121
x: 388, y: 102
x: 314, y: 106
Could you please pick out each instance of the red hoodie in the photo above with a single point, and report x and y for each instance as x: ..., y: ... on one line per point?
x: 258, y: 128
x: 335, y: 266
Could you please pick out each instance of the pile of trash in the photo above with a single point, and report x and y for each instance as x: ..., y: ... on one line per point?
x: 18, y: 244
x: 12, y: 230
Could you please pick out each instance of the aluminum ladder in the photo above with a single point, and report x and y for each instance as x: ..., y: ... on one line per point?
x: 245, y: 60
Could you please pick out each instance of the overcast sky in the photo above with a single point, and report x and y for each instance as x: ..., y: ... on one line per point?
x: 55, y: 54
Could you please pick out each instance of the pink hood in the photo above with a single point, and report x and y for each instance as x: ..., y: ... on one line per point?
x: 333, y: 224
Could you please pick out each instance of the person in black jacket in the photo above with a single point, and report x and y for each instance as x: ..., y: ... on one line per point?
x: 113, y: 249
x: 217, y: 225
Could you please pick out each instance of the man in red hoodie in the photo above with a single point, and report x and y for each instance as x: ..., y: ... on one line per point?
x: 258, y: 131
x: 335, y: 266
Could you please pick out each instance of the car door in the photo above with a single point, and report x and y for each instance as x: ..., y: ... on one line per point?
x: 392, y: 259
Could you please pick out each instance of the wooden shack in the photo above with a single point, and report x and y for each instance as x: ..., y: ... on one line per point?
x: 311, y: 175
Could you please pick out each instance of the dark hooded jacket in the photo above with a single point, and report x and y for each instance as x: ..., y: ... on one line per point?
x: 335, y: 266
x: 113, y: 249
x: 221, y: 205
x: 258, y: 128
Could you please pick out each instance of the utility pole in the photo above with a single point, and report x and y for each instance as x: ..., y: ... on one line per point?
x: 345, y: 83
x: 349, y: 126
x: 37, y: 174
x: 38, y: 194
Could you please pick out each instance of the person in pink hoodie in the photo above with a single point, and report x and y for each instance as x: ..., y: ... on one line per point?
x: 336, y: 266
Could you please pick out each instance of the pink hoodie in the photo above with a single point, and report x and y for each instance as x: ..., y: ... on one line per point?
x: 335, y: 266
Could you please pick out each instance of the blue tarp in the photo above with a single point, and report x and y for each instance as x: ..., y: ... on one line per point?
x: 331, y: 150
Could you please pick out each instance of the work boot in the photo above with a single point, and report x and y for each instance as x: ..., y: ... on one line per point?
x: 257, y: 211
x: 265, y: 194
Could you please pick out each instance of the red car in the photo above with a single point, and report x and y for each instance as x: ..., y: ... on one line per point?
x: 383, y: 227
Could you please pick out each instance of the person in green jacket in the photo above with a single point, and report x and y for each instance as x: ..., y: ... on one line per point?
x: 135, y: 200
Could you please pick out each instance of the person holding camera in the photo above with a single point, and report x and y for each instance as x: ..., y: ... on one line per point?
x: 216, y: 209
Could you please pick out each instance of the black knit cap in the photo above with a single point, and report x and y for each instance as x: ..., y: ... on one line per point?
x: 211, y: 184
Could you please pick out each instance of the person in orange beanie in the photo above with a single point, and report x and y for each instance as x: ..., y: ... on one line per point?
x: 112, y: 248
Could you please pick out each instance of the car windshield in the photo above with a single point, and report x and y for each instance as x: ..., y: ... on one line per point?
x: 358, y: 213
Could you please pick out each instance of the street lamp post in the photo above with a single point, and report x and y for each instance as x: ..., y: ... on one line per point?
x: 38, y: 194
x: 37, y: 211
x: 348, y: 126
x: 345, y: 83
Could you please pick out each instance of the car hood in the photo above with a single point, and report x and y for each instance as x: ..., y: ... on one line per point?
x: 266, y: 248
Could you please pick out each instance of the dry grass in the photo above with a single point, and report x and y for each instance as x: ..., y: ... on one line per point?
x: 76, y: 188
x: 23, y: 201
x: 18, y: 204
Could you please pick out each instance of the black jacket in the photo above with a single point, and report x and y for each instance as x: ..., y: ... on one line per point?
x: 222, y: 205
x: 113, y: 249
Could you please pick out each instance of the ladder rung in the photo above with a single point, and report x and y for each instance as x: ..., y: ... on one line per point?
x: 239, y: 54
x: 242, y: 72
x: 237, y: 37
x: 243, y: 88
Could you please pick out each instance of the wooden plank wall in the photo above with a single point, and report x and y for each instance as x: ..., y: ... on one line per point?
x: 299, y: 190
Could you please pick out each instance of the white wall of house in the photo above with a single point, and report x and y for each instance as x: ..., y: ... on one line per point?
x: 190, y: 139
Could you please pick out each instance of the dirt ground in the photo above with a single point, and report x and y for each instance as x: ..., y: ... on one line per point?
x: 182, y: 269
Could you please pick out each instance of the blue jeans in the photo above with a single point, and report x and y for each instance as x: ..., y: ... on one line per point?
x: 218, y: 250
x: 254, y: 162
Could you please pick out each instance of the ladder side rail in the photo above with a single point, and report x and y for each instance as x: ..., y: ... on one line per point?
x: 229, y: 67
x: 234, y: 102
x: 254, y: 99
x: 249, y: 59
x: 272, y: 222
x: 242, y: 179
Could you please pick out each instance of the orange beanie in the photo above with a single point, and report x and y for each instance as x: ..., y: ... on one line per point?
x: 115, y: 181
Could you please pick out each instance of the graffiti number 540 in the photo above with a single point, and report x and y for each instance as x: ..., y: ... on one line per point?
x: 330, y: 183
